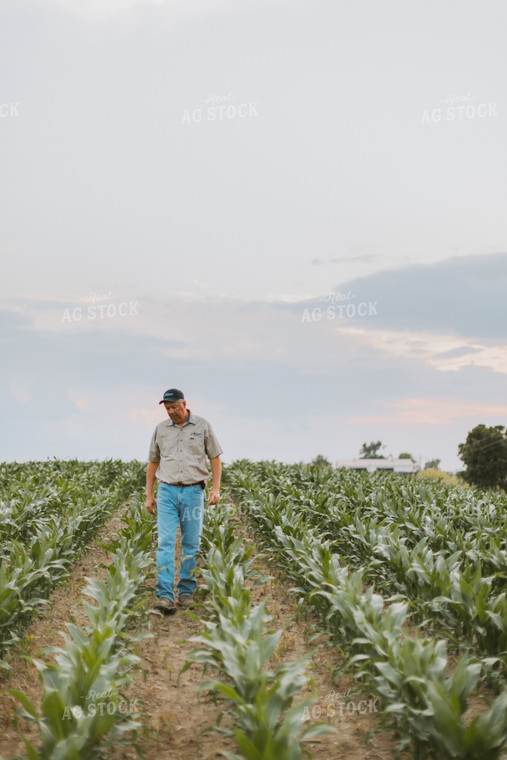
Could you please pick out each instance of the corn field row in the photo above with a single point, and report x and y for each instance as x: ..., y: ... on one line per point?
x: 82, y: 704
x: 424, y: 694
x: 441, y: 548
x: 238, y: 648
x: 406, y: 577
x: 32, y: 493
x: 49, y: 512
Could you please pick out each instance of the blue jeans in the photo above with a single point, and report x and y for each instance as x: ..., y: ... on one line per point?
x: 186, y: 507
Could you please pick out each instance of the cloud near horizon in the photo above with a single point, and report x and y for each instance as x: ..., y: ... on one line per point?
x: 407, y: 329
x: 262, y: 375
x: 421, y: 411
x: 443, y: 352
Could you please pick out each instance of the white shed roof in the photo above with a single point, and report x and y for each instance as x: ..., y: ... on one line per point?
x: 398, y: 465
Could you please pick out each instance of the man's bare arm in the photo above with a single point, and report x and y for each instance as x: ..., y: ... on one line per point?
x: 151, y: 504
x: 216, y: 473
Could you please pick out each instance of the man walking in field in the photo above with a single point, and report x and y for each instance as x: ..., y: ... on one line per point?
x: 177, y: 458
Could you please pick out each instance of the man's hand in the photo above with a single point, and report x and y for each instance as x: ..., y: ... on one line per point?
x: 213, y: 497
x: 216, y: 471
x: 151, y: 504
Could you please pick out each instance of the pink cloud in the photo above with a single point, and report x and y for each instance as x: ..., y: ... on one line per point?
x: 20, y: 392
x: 150, y: 416
x: 419, y: 411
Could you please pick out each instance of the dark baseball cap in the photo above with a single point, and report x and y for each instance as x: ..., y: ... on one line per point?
x: 173, y: 394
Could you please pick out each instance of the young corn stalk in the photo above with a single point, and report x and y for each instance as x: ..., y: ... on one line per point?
x: 38, y: 552
x: 267, y: 724
x: 409, y: 673
x: 82, y: 700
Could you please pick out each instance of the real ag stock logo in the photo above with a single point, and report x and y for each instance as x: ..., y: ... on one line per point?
x: 103, y: 703
x: 337, y: 703
x: 100, y: 306
x: 219, y: 108
x: 8, y: 109
x: 340, y: 307
x: 459, y: 108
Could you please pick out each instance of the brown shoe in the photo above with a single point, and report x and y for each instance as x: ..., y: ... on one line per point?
x: 186, y: 602
x: 166, y: 605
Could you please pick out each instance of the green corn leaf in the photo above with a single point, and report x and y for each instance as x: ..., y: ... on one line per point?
x: 317, y: 729
x: 29, y: 707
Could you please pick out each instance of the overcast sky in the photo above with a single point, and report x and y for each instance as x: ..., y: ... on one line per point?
x: 294, y: 211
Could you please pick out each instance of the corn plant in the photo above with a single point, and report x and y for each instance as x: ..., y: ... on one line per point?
x: 394, y: 532
x: 44, y: 536
x: 408, y: 672
x: 81, y: 701
x: 236, y: 646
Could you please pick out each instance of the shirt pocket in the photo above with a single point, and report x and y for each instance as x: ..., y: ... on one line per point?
x: 196, y: 444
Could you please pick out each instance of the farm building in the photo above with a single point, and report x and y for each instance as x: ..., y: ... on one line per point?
x: 390, y: 465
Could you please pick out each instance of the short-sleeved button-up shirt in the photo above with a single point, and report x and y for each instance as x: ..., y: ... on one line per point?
x: 181, y: 451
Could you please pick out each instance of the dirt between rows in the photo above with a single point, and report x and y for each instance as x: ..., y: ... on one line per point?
x: 176, y: 715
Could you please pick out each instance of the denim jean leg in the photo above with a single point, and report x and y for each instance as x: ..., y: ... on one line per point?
x: 167, y: 524
x: 191, y: 516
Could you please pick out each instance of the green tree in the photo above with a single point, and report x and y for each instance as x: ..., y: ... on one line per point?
x: 406, y: 455
x: 432, y: 463
x: 370, y: 450
x: 485, y: 456
x: 321, y: 461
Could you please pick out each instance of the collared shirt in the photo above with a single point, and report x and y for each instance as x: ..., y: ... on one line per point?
x: 181, y: 451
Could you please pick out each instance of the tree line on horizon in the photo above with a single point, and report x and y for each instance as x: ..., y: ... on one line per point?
x: 484, y: 454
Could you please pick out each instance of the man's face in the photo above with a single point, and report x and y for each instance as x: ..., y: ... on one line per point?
x: 177, y: 410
